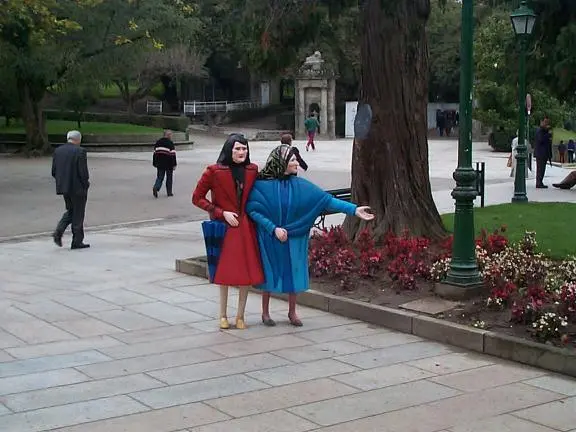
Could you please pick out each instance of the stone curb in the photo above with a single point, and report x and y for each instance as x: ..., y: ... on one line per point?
x: 495, y: 344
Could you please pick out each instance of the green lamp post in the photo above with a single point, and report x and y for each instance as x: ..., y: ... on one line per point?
x: 463, y: 275
x: 523, y: 20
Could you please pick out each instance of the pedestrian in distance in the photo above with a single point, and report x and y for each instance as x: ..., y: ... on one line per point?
x: 164, y: 160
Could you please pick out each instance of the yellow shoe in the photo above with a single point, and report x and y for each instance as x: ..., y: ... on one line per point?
x: 224, y: 324
x: 240, y: 324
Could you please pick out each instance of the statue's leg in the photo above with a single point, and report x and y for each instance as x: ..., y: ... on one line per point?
x: 224, y: 307
x: 294, y: 320
x: 242, y: 299
x: 266, y: 320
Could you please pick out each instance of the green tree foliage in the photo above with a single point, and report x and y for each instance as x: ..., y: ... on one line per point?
x: 78, y: 97
x: 496, y: 55
x: 443, y: 31
x: 272, y: 37
x: 40, y: 48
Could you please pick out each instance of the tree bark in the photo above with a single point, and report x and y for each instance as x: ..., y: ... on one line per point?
x: 124, y: 88
x: 33, y: 118
x: 390, y: 167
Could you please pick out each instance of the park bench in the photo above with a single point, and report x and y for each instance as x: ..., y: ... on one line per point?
x: 341, y: 194
x: 345, y: 194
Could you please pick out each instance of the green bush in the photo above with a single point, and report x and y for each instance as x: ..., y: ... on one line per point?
x: 78, y: 98
x: 176, y: 123
x: 253, y: 113
x: 501, y: 140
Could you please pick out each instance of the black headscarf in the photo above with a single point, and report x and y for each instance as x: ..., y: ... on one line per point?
x: 225, y: 158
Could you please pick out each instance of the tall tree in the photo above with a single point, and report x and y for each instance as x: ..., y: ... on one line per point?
x: 390, y: 167
x: 136, y: 70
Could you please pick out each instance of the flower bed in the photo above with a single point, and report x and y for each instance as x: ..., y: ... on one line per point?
x: 530, y: 295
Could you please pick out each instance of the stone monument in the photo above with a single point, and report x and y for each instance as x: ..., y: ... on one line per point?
x: 315, y: 93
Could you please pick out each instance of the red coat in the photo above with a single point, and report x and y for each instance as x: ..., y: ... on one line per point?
x: 239, y: 263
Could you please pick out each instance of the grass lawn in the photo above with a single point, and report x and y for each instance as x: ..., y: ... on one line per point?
x: 554, y: 224
x: 559, y: 134
x: 113, y: 92
x: 63, y: 126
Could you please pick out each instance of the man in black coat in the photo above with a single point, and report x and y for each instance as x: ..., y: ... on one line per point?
x: 70, y: 170
x: 542, y: 151
x: 164, y: 160
x: 287, y: 139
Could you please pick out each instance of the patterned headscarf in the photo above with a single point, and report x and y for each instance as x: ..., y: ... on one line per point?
x: 277, y: 163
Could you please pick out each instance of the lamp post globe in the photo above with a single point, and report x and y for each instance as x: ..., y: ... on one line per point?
x: 523, y: 20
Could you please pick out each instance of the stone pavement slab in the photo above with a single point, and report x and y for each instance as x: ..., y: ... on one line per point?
x: 430, y: 305
x: 164, y: 420
x: 558, y: 384
x: 76, y: 413
x: 112, y: 339
x: 560, y: 415
x: 504, y: 423
x: 370, y: 403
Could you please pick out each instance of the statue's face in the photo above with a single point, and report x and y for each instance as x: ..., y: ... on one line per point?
x: 239, y: 152
x: 292, y: 167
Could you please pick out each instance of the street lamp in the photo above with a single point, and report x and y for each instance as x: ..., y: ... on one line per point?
x: 523, y: 20
x: 463, y: 279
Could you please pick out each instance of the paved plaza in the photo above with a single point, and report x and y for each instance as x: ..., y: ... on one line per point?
x: 121, y: 190
x: 112, y: 339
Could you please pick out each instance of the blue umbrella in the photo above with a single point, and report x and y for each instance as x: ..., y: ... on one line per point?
x: 214, y: 232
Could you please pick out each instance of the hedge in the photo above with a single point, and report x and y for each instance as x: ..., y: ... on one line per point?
x: 176, y: 123
x: 253, y: 113
x: 501, y: 141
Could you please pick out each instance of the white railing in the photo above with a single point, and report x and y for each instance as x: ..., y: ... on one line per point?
x: 200, y: 107
x: 154, y: 107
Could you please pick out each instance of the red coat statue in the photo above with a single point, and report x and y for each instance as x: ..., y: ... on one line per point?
x: 239, y: 263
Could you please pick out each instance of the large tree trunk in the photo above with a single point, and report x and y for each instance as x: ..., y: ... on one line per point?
x: 390, y: 167
x: 33, y: 118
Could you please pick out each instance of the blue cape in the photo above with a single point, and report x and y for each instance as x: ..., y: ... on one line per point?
x: 305, y: 202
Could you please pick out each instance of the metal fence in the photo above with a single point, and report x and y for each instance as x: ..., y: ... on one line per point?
x: 154, y: 107
x: 200, y: 107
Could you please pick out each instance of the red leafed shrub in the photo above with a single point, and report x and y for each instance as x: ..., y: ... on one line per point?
x: 567, y: 300
x: 529, y: 305
x: 501, y: 293
x: 403, y: 258
x: 493, y: 243
x: 324, y: 248
x: 410, y: 257
x: 404, y: 244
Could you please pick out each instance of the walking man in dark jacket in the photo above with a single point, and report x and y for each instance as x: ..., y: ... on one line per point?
x: 287, y: 139
x: 70, y: 170
x: 164, y: 160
